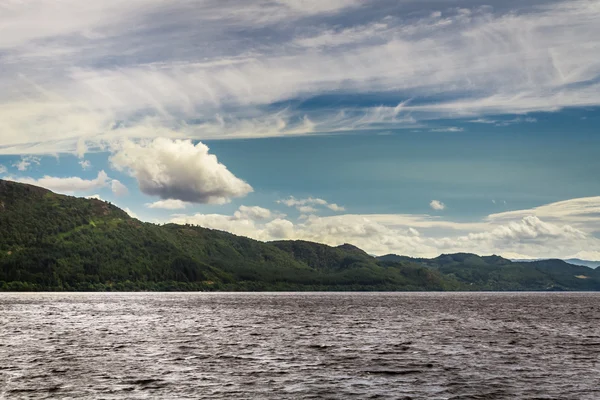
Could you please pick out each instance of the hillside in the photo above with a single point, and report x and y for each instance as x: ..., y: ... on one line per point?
x: 55, y: 242
x: 497, y: 273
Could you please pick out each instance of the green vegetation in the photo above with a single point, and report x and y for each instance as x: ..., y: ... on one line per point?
x: 497, y: 273
x: 55, y: 242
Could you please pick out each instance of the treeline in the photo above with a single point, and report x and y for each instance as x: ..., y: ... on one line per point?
x: 53, y: 242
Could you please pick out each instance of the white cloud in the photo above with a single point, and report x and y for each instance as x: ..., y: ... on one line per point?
x: 67, y: 185
x: 231, y: 223
x: 25, y: 162
x: 279, y: 229
x: 587, y: 255
x: 310, y: 205
x: 449, y: 129
x: 503, y: 122
x: 353, y: 35
x: 293, y: 202
x: 131, y: 213
x: 118, y: 188
x: 254, y: 213
x: 94, y: 196
x: 520, y: 235
x: 582, y: 213
x: 335, y: 207
x: 437, y: 205
x: 85, y: 164
x: 483, y: 121
x: 476, y: 62
x: 306, y: 209
x: 169, y: 204
x: 178, y: 169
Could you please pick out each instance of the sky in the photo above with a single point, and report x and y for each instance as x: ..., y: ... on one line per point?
x: 408, y: 127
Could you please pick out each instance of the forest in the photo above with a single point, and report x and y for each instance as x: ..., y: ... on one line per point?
x: 53, y: 242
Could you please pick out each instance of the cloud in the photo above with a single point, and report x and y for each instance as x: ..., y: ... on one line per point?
x: 503, y: 122
x: 588, y: 255
x: 26, y: 162
x: 67, y: 185
x: 169, y: 204
x: 346, y: 36
x: 582, y: 213
x: 131, y: 213
x: 437, y: 205
x: 118, y: 188
x: 310, y: 205
x: 243, y: 222
x: 306, y: 209
x: 483, y: 121
x: 529, y: 228
x: 254, y: 213
x: 85, y: 164
x: 463, y: 62
x: 520, y: 236
x: 178, y: 169
x: 335, y: 207
x: 449, y: 129
x: 293, y: 202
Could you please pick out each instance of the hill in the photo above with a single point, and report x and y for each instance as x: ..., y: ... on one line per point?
x: 573, y: 261
x: 497, y: 273
x: 55, y: 242
x: 583, y: 263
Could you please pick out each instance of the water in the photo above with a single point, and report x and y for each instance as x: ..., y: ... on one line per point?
x: 300, y: 346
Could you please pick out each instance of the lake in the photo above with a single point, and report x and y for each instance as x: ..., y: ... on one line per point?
x: 300, y: 345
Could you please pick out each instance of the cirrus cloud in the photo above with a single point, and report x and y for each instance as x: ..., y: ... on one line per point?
x: 465, y: 61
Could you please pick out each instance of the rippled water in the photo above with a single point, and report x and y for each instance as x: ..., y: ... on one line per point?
x: 300, y: 346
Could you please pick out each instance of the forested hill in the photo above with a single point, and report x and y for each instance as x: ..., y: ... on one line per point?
x: 56, y: 242
x: 497, y: 273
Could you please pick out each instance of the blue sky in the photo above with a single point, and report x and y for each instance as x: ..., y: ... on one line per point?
x: 409, y: 127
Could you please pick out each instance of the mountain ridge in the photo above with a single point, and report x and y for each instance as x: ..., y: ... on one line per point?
x: 572, y: 261
x: 50, y: 241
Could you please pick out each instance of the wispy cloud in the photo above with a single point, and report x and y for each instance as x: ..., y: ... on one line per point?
x: 503, y: 122
x: 102, y: 71
x: 310, y: 205
x: 449, y: 129
x: 26, y: 162
x: 85, y: 164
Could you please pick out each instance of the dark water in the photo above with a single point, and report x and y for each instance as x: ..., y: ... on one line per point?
x: 300, y: 346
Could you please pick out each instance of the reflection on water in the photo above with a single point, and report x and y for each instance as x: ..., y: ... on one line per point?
x: 300, y: 346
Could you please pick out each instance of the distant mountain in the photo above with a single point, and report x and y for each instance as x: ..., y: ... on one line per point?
x: 574, y: 261
x: 55, y: 242
x: 498, y: 273
x: 585, y: 263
